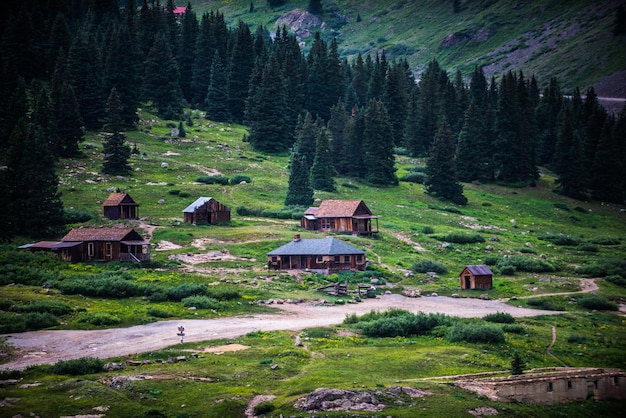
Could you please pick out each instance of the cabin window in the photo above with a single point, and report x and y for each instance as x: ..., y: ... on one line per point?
x: 108, y: 249
x: 359, y: 258
x: 337, y: 259
x: 328, y: 223
x: 274, y: 259
x: 550, y: 388
x: 615, y: 381
x: 319, y: 259
x: 90, y: 249
x: 569, y: 384
x: 346, y: 258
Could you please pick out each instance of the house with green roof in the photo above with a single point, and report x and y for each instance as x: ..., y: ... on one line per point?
x: 322, y: 255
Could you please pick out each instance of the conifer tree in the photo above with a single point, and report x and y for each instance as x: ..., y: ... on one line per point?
x: 42, y: 115
x: 607, y: 181
x: 570, y: 167
x: 306, y: 139
x: 116, y: 152
x: 378, y: 156
x: 316, y: 84
x: 517, y: 364
x: 547, y: 115
x: 241, y: 64
x: 360, y: 79
x: 187, y: 51
x: 396, y: 94
x: 355, y: 166
x: 474, y: 147
x: 216, y: 103
x: 161, y: 80
x: 338, y: 126
x: 412, y: 143
x: 33, y: 183
x: 441, y: 179
x: 322, y: 170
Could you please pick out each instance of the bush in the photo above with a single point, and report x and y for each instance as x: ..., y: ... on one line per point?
x: 114, y: 285
x: 603, y: 268
x: 616, y: 279
x: 500, y: 318
x: 238, y: 178
x: 98, y: 318
x: 185, y: 290
x: 507, y: 270
x: 263, y: 408
x: 527, y: 264
x: 54, y: 307
x: 74, y: 216
x: 544, y: 304
x: 216, y: 179
x: 402, y: 324
x: 158, y: 313
x: 201, y: 302
x: 223, y: 293
x: 596, y: 302
x: 459, y: 238
x: 6, y: 304
x: 513, y: 328
x: 78, y: 367
x: 413, y: 178
x: 40, y: 320
x: 424, y: 266
x: 606, y: 241
x: 428, y: 230
x: 577, y: 339
x: 587, y: 247
x: 475, y: 333
x: 559, y: 239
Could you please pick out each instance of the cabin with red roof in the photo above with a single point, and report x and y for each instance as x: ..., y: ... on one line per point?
x: 97, y: 244
x: 476, y: 277
x: 350, y: 216
x: 120, y: 206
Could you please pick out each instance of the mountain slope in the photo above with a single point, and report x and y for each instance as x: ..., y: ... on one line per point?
x: 572, y: 41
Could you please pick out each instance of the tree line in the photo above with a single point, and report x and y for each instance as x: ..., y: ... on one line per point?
x: 72, y: 66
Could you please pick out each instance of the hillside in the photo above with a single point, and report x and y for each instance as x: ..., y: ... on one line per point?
x: 571, y: 41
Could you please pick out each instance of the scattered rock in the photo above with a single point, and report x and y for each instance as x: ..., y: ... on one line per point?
x: 484, y: 296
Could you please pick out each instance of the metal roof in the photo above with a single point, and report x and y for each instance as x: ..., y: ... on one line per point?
x: 480, y: 270
x: 198, y: 202
x: 316, y: 246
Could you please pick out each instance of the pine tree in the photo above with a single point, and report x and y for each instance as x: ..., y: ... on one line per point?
x: 474, y: 147
x: 322, y: 170
x: 216, y: 103
x: 441, y: 179
x: 397, y: 93
x: 42, y: 115
x: 33, y: 183
x: 607, y: 185
x: 187, y: 51
x: 619, y: 27
x: 338, y: 126
x: 355, y: 166
x: 240, y: 68
x: 547, y: 115
x: 299, y: 190
x: 315, y: 7
x: 570, y: 164
x: 378, y: 156
x: 517, y: 364
x: 116, y: 152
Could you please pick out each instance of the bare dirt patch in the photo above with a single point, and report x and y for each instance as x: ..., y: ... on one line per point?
x: 167, y: 246
x: 221, y: 349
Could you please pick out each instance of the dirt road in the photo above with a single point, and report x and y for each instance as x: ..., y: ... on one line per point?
x: 48, y: 347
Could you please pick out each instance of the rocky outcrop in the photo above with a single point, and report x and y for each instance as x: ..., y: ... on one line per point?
x: 300, y: 22
x: 353, y: 400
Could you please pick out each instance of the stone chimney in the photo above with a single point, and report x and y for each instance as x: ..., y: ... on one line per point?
x: 296, y: 238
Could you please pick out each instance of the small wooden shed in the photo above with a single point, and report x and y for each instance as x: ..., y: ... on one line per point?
x: 120, y: 206
x: 476, y: 277
x: 206, y: 210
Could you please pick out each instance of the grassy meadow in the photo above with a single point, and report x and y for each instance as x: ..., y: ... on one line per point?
x: 552, y: 242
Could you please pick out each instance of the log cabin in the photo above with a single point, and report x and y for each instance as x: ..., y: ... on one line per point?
x: 322, y: 255
x: 476, y: 277
x: 350, y: 216
x: 206, y: 210
x: 120, y: 206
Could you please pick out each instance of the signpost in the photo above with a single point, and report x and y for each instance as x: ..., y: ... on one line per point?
x: 181, y: 333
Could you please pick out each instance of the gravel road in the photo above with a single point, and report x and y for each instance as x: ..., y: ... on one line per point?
x: 48, y: 347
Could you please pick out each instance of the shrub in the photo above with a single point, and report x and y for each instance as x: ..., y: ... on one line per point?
x: 577, y: 339
x: 223, y: 293
x: 238, y: 178
x: 319, y: 332
x: 544, y: 304
x: 428, y: 230
x: 414, y: 178
x: 215, y: 179
x: 528, y: 264
x: 606, y: 241
x: 513, y: 328
x: 517, y: 364
x: 184, y: 290
x: 459, y: 238
x: 500, y: 318
x: 174, y: 192
x: 201, y: 302
x: 562, y: 206
x: 158, y: 313
x: 263, y: 408
x: 507, y: 270
x: 616, y: 279
x: 596, y: 302
x: 40, y: 320
x: 98, y: 318
x: 475, y: 333
x: 114, y: 285
x: 74, y: 216
x: 54, y: 307
x: 402, y: 324
x: 559, y: 239
x: 587, y: 247
x: 424, y: 266
x: 244, y: 211
x: 78, y: 367
x: 6, y: 304
x: 602, y: 268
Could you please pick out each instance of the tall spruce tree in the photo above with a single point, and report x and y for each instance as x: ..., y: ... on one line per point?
x: 396, y: 95
x: 241, y: 64
x: 378, y: 156
x: 355, y: 165
x: 161, y: 80
x: 116, y: 152
x: 67, y: 115
x: 474, y: 148
x: 338, y: 126
x: 322, y: 170
x: 441, y: 179
x: 607, y: 181
x: 33, y: 183
x: 216, y: 103
x: 572, y: 174
x: 299, y: 190
x: 187, y: 51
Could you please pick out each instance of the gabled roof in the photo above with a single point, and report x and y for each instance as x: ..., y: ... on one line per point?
x: 479, y: 270
x: 195, y: 205
x: 341, y: 208
x: 116, y: 199
x: 316, y: 246
x: 102, y: 234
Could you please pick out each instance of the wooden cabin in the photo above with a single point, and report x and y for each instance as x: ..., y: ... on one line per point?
x: 351, y: 216
x: 120, y: 206
x: 206, y: 210
x: 98, y: 244
x: 322, y: 255
x: 476, y: 277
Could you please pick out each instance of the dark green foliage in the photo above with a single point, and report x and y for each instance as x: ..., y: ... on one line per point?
x: 616, y: 279
x: 98, y: 318
x: 31, y: 321
x: 507, y: 270
x: 398, y: 323
x: 475, y: 333
x: 238, y: 178
x: 577, y: 339
x: 322, y: 170
x: 78, y: 367
x: 105, y: 285
x: 378, y: 158
x: 606, y: 241
x: 200, y: 302
x: 596, y: 302
x: 428, y: 230
x: 620, y: 21
x: 602, y: 268
x: 517, y: 364
x: 441, y: 178
x: 216, y: 102
x: 545, y: 304
x: 184, y: 290
x: 514, y: 328
x: 315, y: 7
x: 161, y: 80
x: 559, y: 239
x: 413, y: 177
x: 587, y: 247
x: 222, y: 293
x: 54, y: 307
x: 570, y: 163
x: 240, y: 66
x: 460, y: 238
x: 523, y: 263
x: 263, y: 408
x: 116, y: 151
x: 216, y: 179
x: 425, y: 266
x: 74, y: 216
x: 500, y: 318
x: 158, y: 313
